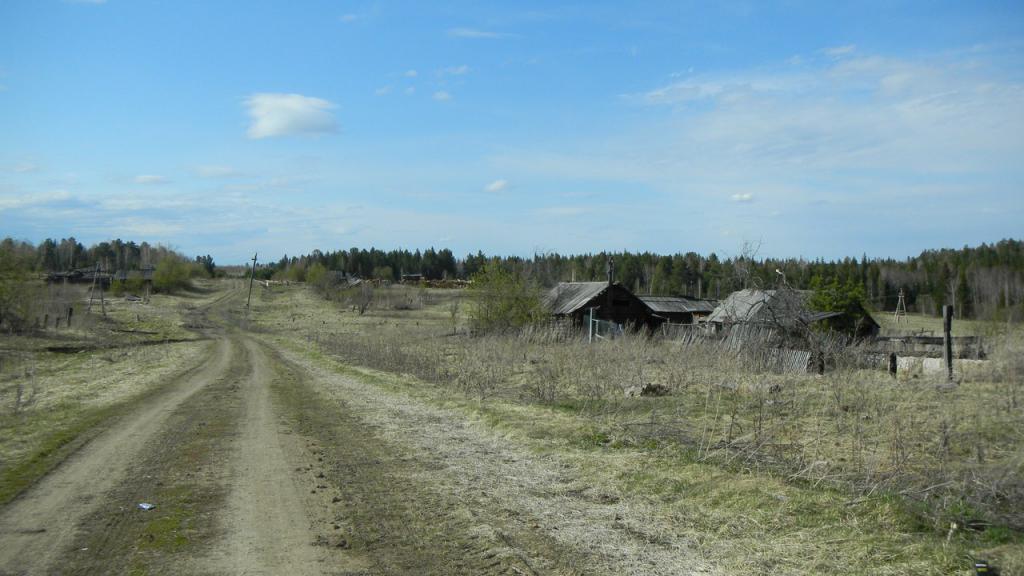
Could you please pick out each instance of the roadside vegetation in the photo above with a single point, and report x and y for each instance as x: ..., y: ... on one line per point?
x: 929, y: 474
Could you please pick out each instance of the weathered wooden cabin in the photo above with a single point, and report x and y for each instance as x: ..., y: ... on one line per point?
x: 609, y: 301
x: 790, y: 310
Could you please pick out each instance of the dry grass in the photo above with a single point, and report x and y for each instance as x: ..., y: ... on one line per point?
x: 909, y: 457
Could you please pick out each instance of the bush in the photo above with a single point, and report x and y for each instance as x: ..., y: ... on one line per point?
x: 16, y: 295
x: 172, y: 274
x: 503, y: 301
x: 316, y: 276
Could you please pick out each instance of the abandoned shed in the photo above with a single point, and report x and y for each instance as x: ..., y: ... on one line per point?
x: 143, y: 275
x: 788, y: 309
x: 609, y: 301
x: 678, y: 310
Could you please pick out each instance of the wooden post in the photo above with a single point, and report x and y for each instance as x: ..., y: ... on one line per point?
x: 92, y: 290
x: 252, y: 274
x: 70, y: 311
x: 893, y: 363
x: 103, y: 303
x: 947, y: 340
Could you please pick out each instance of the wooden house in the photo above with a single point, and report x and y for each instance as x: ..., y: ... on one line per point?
x: 609, y: 301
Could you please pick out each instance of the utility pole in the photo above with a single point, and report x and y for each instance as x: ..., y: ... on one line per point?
x: 947, y: 339
x: 252, y: 274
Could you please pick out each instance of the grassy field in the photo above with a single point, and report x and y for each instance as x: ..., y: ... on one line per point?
x: 932, y: 326
x: 847, y: 473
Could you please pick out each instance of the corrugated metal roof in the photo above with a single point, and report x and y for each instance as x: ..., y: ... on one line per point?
x: 568, y: 297
x: 677, y: 305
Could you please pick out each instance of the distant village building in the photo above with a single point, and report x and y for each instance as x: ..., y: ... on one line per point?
x: 790, y: 310
x: 342, y: 279
x: 677, y: 309
x: 144, y: 275
x: 81, y: 276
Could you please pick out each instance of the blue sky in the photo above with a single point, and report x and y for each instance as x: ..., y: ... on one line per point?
x: 813, y: 129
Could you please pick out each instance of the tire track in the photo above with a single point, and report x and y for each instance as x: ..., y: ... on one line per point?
x: 517, y: 502
x: 270, y: 524
x: 380, y: 507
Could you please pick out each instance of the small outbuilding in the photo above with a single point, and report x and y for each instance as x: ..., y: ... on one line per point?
x: 677, y: 309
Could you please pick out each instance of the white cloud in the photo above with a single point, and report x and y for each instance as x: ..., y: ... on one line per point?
x: 382, y: 91
x: 411, y: 74
x: 150, y: 179
x: 442, y: 96
x: 563, y: 211
x: 288, y: 114
x: 25, y: 167
x: 829, y: 141
x: 215, y: 171
x: 410, y: 90
x: 476, y: 33
x: 496, y: 186
x: 28, y: 200
x: 455, y: 70
x: 840, y: 51
x: 348, y: 18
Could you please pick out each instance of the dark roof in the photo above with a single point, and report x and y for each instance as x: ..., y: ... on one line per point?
x: 568, y: 297
x: 677, y: 305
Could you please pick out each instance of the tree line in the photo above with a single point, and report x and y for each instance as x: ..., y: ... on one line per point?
x: 20, y: 260
x: 985, y: 281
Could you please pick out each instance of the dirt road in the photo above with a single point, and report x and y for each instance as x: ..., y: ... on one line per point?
x: 42, y: 522
x: 262, y: 461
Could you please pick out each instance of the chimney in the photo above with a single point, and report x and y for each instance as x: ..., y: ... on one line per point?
x: 611, y: 270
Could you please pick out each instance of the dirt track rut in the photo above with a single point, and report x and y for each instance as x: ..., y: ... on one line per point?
x: 38, y: 526
x: 270, y: 523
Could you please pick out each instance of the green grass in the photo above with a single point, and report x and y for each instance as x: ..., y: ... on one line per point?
x: 52, y: 447
x: 168, y: 529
